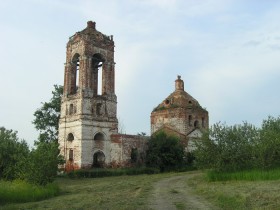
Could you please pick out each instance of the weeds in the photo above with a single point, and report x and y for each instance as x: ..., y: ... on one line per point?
x: 20, y: 191
x: 250, y: 175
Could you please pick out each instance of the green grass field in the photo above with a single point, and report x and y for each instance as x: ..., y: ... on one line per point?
x: 133, y: 192
x: 249, y: 175
x: 123, y: 192
x: 240, y: 194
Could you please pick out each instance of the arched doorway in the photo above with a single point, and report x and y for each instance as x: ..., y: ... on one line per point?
x: 98, y: 159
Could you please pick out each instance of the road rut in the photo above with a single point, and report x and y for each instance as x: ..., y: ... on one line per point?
x: 174, y: 193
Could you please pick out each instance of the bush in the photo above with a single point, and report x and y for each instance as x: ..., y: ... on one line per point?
x: 165, y: 152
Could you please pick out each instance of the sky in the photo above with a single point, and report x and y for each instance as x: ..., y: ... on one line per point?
x: 226, y: 51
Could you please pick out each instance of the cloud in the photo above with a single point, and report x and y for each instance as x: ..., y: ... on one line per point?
x: 226, y: 51
x: 251, y: 43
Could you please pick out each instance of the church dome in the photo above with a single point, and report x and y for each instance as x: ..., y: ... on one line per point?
x: 178, y: 99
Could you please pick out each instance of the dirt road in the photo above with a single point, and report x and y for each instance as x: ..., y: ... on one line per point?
x: 174, y: 193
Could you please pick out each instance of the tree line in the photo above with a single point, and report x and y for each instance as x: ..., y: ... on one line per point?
x: 240, y: 147
x: 37, y: 165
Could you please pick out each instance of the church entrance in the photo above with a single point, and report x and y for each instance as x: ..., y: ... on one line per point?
x: 98, y: 159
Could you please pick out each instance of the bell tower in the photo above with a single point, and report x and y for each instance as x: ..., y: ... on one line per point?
x: 88, y: 115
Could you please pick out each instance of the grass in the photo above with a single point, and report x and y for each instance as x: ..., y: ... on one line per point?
x: 238, y: 194
x: 121, y: 192
x: 103, y: 172
x: 180, y: 206
x: 174, y: 191
x: 133, y: 192
x: 21, y: 191
x: 250, y: 175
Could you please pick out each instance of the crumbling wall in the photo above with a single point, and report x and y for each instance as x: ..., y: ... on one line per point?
x: 122, y: 146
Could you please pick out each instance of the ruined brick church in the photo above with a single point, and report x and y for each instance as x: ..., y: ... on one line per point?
x: 88, y: 125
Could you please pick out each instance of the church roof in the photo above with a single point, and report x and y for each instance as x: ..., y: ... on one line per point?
x: 178, y: 99
x: 90, y: 33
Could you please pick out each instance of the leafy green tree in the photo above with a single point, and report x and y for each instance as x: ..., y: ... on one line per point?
x: 43, y: 162
x: 268, y: 147
x: 47, y: 116
x: 165, y: 152
x: 44, y: 159
x: 13, y: 155
x: 227, y: 148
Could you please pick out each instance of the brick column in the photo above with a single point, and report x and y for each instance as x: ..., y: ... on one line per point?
x: 105, y: 82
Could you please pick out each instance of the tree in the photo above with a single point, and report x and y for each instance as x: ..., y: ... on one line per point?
x: 13, y: 155
x: 268, y: 147
x: 43, y: 162
x: 47, y: 116
x: 227, y: 148
x: 44, y: 159
x: 165, y: 152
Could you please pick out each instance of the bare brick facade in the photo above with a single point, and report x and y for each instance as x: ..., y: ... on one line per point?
x: 180, y: 115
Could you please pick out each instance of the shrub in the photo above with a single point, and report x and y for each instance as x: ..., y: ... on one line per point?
x: 165, y: 152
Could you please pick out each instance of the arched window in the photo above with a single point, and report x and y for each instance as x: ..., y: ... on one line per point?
x: 71, y: 109
x: 75, y: 74
x: 97, y: 62
x: 196, y: 124
x: 99, y: 136
x: 190, y: 120
x: 70, y: 137
x: 71, y: 155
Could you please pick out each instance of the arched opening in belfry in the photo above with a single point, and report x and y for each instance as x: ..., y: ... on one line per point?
x: 99, y: 136
x: 75, y: 73
x: 97, y: 65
